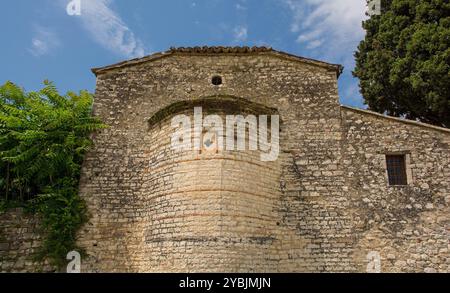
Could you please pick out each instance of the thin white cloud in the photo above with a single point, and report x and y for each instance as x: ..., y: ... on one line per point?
x: 240, y: 7
x: 314, y: 44
x: 330, y: 28
x: 108, y: 29
x: 44, y: 41
x: 240, y: 33
x: 309, y: 36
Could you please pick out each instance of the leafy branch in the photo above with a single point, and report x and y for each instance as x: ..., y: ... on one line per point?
x: 43, y: 139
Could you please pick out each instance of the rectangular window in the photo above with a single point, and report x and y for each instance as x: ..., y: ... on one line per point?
x: 396, y: 168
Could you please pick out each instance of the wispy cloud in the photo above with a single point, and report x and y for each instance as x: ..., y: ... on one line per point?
x: 44, y: 41
x: 108, y: 29
x: 331, y: 29
x: 240, y: 7
x: 240, y: 33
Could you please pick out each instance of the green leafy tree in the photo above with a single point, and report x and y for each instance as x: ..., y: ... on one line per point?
x: 403, y: 63
x: 43, y: 138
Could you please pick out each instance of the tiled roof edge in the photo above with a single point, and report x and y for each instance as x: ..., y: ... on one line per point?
x: 217, y: 50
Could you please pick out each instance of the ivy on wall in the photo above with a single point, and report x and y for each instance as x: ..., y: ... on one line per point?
x: 43, y: 138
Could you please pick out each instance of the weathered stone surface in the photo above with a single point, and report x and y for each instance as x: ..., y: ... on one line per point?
x: 20, y: 240
x: 411, y: 222
x: 324, y: 205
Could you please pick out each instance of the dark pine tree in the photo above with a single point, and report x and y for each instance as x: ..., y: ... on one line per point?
x: 403, y: 63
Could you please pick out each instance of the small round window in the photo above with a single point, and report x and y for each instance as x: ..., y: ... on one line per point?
x: 216, y: 80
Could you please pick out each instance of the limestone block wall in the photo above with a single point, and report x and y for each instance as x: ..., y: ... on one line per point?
x: 127, y: 186
x: 409, y: 226
x: 216, y: 208
x: 19, y: 242
x: 322, y: 206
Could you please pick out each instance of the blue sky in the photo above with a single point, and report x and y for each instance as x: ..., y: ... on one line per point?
x: 41, y: 41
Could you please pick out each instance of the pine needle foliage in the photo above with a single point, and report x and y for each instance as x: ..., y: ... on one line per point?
x: 403, y: 63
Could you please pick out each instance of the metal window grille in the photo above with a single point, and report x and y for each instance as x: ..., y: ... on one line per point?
x: 396, y: 168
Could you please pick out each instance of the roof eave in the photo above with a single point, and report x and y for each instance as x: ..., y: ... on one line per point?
x: 401, y: 120
x: 216, y: 50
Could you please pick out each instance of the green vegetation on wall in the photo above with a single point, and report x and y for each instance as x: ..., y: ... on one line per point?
x: 43, y: 138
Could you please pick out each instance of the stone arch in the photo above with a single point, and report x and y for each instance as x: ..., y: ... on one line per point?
x: 229, y: 103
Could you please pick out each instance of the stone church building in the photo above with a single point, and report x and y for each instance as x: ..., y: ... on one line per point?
x: 351, y: 190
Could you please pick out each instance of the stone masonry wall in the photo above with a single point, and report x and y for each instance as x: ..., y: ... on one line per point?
x: 215, y: 207
x: 323, y: 206
x: 19, y: 242
x: 409, y: 226
x: 308, y: 203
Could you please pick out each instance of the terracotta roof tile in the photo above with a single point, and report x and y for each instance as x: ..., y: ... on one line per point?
x: 219, y: 50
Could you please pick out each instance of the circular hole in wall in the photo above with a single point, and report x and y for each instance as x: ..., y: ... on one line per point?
x: 216, y: 80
